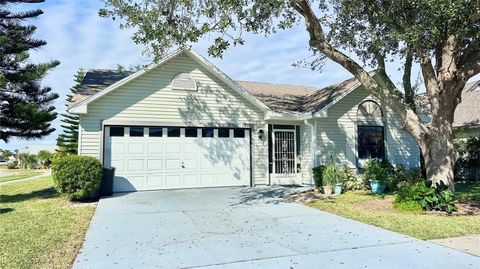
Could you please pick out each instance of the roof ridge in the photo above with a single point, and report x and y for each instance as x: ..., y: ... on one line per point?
x: 283, y: 84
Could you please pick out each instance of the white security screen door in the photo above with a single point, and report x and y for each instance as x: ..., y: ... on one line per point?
x: 284, y: 157
x: 149, y: 158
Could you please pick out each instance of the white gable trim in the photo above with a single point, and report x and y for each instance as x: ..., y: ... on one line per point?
x: 82, y: 106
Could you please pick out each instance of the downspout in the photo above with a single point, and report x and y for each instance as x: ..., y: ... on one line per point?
x: 313, y: 141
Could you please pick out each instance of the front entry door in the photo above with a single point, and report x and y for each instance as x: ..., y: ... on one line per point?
x: 284, y: 157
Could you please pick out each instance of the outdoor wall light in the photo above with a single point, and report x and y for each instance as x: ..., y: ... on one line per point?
x: 261, y: 133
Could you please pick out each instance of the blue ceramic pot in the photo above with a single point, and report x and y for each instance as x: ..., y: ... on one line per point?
x: 378, y: 187
x: 338, y: 189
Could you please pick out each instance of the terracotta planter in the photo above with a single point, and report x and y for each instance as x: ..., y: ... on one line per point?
x: 327, y: 190
x: 316, y: 191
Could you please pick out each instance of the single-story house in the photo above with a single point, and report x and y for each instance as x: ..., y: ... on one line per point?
x: 183, y: 123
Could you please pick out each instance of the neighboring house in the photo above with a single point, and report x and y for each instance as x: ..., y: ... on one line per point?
x: 467, y: 114
x: 183, y: 123
x: 466, y: 121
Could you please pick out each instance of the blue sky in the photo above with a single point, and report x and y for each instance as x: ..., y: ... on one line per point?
x: 78, y: 37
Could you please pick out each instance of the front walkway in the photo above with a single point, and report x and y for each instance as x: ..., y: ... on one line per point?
x: 469, y: 243
x: 244, y: 228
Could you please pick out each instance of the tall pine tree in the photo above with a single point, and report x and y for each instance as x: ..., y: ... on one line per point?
x: 67, y: 142
x: 26, y: 109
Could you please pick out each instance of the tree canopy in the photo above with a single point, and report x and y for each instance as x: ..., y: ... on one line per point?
x: 441, y: 36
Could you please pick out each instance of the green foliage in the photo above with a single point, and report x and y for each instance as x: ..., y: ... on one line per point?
x: 403, y: 178
x: 12, y: 165
x: 469, y: 160
x: 27, y: 161
x: 26, y: 109
x: 318, y: 175
x: 408, y: 206
x: 381, y: 170
x: 440, y: 198
x: 68, y: 140
x: 332, y: 174
x: 45, y: 158
x: 350, y: 181
x: 77, y: 177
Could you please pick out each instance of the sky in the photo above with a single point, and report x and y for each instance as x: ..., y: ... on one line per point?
x: 79, y: 38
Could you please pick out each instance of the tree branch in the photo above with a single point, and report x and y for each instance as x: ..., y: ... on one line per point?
x: 407, y: 79
x: 389, y: 95
x: 429, y: 77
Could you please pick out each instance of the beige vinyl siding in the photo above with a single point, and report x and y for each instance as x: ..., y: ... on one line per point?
x: 336, y: 134
x: 306, y: 149
x: 150, y: 98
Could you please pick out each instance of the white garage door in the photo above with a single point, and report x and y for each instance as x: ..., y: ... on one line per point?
x: 149, y: 158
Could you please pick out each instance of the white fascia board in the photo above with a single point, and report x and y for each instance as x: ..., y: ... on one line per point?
x: 78, y: 110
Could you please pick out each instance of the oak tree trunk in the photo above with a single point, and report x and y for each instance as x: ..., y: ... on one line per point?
x: 439, y: 155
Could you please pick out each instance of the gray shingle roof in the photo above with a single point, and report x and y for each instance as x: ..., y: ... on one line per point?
x: 467, y: 113
x: 278, y: 97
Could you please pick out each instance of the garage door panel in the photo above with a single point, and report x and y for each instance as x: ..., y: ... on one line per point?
x: 190, y: 164
x: 173, y: 164
x: 173, y: 181
x: 135, y: 164
x: 155, y: 148
x: 190, y: 180
x: 154, y: 165
x: 147, y: 163
x: 118, y: 148
x: 174, y: 147
x: 155, y: 181
x: 135, y: 148
x: 209, y: 179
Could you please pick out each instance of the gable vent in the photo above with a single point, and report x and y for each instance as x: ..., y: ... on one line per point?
x: 183, y: 81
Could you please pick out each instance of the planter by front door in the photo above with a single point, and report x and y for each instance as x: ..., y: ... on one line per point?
x: 284, y: 157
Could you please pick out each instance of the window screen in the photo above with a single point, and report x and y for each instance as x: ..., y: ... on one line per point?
x: 117, y: 131
x: 371, y: 142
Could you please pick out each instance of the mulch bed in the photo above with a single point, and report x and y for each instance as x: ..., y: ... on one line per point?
x: 466, y: 208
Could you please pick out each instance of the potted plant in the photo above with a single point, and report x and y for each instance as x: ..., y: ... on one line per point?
x: 378, y: 174
x: 332, y: 178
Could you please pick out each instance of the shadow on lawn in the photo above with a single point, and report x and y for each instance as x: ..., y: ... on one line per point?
x: 46, y: 193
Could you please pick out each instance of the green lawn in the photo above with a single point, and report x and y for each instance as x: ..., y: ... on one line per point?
x: 20, y: 174
x: 39, y: 229
x: 377, y: 210
x: 468, y: 191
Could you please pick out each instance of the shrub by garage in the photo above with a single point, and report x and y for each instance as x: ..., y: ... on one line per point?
x: 77, y: 177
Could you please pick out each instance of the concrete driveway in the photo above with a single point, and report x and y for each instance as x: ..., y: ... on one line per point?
x: 244, y: 228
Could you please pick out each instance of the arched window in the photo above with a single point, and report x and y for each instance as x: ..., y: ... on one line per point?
x: 370, y: 135
x: 183, y: 81
x: 369, y: 109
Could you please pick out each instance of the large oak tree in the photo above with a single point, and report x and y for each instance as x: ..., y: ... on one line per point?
x: 441, y: 36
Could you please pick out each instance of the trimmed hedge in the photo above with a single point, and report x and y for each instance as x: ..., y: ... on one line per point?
x: 77, y: 177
